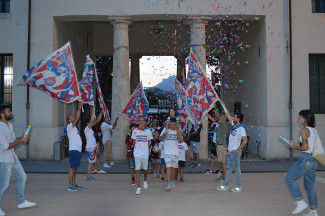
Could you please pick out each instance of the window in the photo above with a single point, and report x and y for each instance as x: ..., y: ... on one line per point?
x: 4, y: 6
x: 316, y: 83
x: 6, y: 77
x: 318, y: 6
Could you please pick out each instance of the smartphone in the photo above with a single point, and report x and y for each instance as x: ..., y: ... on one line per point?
x: 27, y: 130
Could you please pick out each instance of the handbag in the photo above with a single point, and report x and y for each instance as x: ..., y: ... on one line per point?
x: 318, y: 152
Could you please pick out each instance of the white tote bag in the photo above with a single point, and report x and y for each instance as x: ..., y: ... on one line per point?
x: 318, y: 150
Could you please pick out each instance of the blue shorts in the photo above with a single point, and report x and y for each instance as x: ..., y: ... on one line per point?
x: 195, y: 146
x: 131, y: 163
x: 75, y: 157
x: 163, y: 161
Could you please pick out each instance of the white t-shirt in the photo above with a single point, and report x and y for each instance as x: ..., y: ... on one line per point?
x: 311, y: 140
x: 171, y: 142
x: 235, y: 138
x: 75, y: 142
x: 91, y: 140
x: 182, y: 147
x: 141, y: 148
x: 106, y: 131
x: 162, y: 148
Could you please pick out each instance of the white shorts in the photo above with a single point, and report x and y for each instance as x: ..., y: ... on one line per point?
x: 141, y: 163
x: 171, y: 161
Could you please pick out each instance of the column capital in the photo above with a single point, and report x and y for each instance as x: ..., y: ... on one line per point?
x: 115, y: 20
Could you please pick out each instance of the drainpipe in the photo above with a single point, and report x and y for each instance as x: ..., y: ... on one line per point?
x: 28, y: 66
x: 290, y: 78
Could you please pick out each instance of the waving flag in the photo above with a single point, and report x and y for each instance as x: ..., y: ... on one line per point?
x: 86, y: 84
x: 101, y: 98
x: 55, y: 75
x: 137, y: 105
x: 201, y: 95
x: 181, y: 105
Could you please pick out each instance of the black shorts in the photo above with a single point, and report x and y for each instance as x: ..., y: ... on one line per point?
x: 181, y: 163
x: 213, y: 150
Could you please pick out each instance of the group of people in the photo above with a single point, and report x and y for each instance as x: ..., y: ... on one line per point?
x: 165, y: 149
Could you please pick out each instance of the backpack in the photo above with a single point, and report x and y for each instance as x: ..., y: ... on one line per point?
x: 318, y: 150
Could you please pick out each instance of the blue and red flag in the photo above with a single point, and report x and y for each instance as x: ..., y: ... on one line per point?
x: 181, y: 105
x: 201, y: 95
x: 55, y: 75
x: 101, y: 98
x: 86, y: 84
x: 137, y: 105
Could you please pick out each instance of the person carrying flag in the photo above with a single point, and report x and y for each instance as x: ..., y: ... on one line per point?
x: 237, y: 141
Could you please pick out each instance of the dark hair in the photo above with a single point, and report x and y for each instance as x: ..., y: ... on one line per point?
x: 309, y: 116
x: 172, y: 120
x: 172, y: 108
x: 142, y: 117
x: 240, y: 116
x: 3, y: 107
x: 156, y: 131
x: 68, y: 117
x: 132, y: 125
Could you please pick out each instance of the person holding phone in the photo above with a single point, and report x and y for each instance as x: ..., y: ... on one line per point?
x: 9, y: 162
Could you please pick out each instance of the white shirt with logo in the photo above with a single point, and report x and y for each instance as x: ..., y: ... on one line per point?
x: 91, y: 139
x: 106, y: 131
x: 141, y: 137
x: 171, y: 142
x: 182, y: 147
x: 235, y: 138
x: 75, y: 142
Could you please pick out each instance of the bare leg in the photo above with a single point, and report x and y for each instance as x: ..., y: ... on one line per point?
x: 197, y: 157
x: 74, y: 176
x: 90, y: 165
x: 99, y: 167
x: 169, y: 174
x: 138, y: 177
x: 145, y: 177
x: 223, y: 170
x: 173, y: 173
x: 71, y: 171
x: 213, y: 159
x: 163, y: 168
x: 182, y: 172
x: 132, y: 172
x: 158, y: 168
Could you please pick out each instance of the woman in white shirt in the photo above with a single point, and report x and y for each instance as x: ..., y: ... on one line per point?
x: 306, y: 166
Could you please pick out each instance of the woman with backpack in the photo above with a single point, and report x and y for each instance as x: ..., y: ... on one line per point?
x: 306, y: 166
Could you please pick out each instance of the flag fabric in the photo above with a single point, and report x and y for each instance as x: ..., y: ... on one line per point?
x: 55, y: 75
x: 137, y: 105
x: 181, y: 105
x: 201, y: 95
x: 86, y: 84
x: 101, y: 98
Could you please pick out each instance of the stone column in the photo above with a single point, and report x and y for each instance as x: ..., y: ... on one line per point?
x: 181, y: 70
x: 135, y: 72
x: 121, y: 84
x: 198, y: 44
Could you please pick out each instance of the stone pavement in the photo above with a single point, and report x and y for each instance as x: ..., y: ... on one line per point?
x: 264, y: 194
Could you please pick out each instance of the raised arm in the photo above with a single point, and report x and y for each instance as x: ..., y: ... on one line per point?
x: 229, y: 117
x: 80, y: 104
x: 99, y: 118
x: 115, y: 123
x: 210, y: 117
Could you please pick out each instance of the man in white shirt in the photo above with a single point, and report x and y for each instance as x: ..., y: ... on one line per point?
x: 9, y: 162
x: 75, y: 147
x: 142, y: 137
x: 107, y: 142
x: 237, y: 141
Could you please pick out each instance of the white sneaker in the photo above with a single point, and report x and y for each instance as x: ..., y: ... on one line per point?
x: 112, y: 163
x: 222, y: 188
x: 94, y: 171
x: 311, y: 213
x: 101, y: 172
x: 106, y: 165
x: 172, y: 184
x: 2, y: 213
x: 145, y: 185
x: 26, y: 204
x: 236, y: 189
x: 169, y: 187
x: 301, y: 205
x: 138, y: 192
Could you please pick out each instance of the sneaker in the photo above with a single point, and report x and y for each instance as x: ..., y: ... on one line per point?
x: 106, y: 165
x: 301, y: 205
x: 169, y: 187
x: 94, y: 171
x: 101, y: 172
x: 2, y: 213
x: 207, y: 172
x: 90, y: 180
x: 220, y: 179
x: 72, y: 188
x: 133, y: 182
x: 158, y: 175
x: 310, y: 213
x: 182, y: 180
x: 162, y: 179
x: 155, y: 172
x: 112, y: 163
x: 176, y: 177
x: 222, y: 188
x: 138, y: 192
x: 236, y: 189
x: 145, y: 185
x: 77, y: 186
x: 195, y: 165
x: 218, y: 172
x: 172, y: 184
x: 26, y: 204
x: 191, y: 164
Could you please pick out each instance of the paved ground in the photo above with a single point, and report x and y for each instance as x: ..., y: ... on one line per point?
x: 264, y: 194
